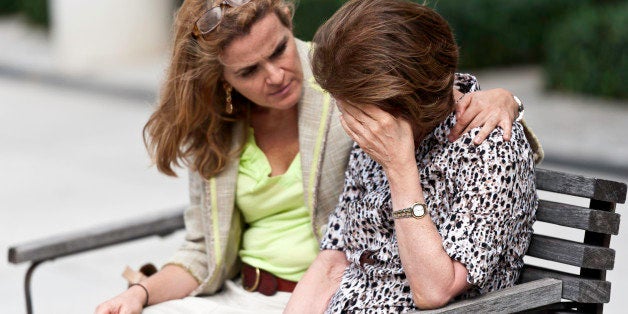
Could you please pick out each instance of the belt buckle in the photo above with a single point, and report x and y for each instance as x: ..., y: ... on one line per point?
x: 256, y: 283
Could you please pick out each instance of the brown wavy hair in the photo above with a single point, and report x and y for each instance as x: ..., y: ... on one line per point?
x: 190, y: 125
x: 398, y: 55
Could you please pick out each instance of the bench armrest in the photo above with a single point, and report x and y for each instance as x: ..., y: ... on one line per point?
x: 514, y: 299
x: 160, y: 224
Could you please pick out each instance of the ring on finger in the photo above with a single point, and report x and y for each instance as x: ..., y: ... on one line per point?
x: 460, y: 98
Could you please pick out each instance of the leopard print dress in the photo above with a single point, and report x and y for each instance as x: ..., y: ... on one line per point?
x: 482, y: 200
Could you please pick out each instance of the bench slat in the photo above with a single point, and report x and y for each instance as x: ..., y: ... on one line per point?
x: 578, y: 217
x: 577, y: 185
x: 572, y: 253
x: 575, y: 288
x: 513, y: 299
x: 93, y: 238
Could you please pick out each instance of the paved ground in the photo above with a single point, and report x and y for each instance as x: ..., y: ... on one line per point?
x: 71, y: 157
x: 70, y: 161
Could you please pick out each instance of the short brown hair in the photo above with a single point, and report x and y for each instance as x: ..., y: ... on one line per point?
x: 190, y: 124
x: 398, y: 55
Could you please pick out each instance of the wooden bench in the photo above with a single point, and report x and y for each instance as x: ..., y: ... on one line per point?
x: 542, y: 289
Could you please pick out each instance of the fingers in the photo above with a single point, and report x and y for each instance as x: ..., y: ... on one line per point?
x: 355, y: 114
x: 367, y: 114
x: 491, y: 125
x: 357, y: 132
x: 376, y: 113
x: 502, y: 101
x: 464, y: 123
x: 347, y: 129
x: 474, y: 117
x: 507, y: 127
x: 353, y: 127
x: 371, y: 122
x: 101, y: 309
x: 463, y: 103
x: 473, y: 124
x: 488, y: 127
x: 488, y: 109
x: 454, y: 133
x: 106, y: 308
x: 127, y: 311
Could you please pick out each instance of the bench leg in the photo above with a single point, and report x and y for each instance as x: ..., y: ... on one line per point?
x: 27, y: 286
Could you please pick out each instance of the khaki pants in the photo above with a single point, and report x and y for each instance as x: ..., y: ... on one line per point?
x: 233, y: 299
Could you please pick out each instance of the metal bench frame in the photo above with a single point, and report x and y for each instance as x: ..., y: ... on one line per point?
x: 540, y: 290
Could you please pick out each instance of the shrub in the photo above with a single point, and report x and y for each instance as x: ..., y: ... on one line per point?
x: 588, y: 52
x: 489, y: 32
x: 8, y: 6
x: 36, y: 11
x: 310, y: 14
x: 505, y: 32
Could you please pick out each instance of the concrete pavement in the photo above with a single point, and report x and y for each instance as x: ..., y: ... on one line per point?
x: 71, y: 157
x: 576, y: 130
x: 70, y: 161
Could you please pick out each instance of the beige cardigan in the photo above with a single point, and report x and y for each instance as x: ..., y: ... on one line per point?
x: 214, y: 228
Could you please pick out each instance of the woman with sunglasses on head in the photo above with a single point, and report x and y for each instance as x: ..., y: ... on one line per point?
x: 421, y: 220
x: 266, y: 155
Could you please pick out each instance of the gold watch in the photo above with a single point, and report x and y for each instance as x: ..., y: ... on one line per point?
x: 416, y: 210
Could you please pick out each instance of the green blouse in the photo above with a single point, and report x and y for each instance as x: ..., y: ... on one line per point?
x: 278, y: 236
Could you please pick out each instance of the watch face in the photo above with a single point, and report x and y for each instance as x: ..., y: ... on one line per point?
x: 418, y: 210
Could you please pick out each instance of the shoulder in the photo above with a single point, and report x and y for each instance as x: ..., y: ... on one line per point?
x: 302, y: 43
x: 304, y: 48
x: 486, y: 166
x: 494, y: 145
x: 466, y: 83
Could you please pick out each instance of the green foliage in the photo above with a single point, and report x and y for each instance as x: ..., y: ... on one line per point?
x: 310, y: 14
x: 36, y: 11
x: 8, y: 6
x: 489, y: 32
x: 588, y: 51
x: 505, y: 32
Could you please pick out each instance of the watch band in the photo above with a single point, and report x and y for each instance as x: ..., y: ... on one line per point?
x: 403, y: 213
x: 520, y: 108
x: 416, y: 210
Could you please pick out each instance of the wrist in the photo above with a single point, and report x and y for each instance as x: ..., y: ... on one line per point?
x: 139, y: 292
x: 401, y: 171
x: 405, y: 186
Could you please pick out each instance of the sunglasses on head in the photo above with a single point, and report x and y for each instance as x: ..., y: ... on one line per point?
x: 212, y: 17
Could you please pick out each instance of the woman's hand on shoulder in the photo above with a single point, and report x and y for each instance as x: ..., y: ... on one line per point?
x: 130, y: 301
x: 488, y: 109
x: 387, y: 139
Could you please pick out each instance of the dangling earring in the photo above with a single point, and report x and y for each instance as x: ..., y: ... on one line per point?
x: 228, y: 88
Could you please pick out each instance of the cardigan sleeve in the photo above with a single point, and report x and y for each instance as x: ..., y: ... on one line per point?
x: 192, y: 255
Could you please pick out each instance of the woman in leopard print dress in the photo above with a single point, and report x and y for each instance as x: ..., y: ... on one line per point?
x: 421, y: 220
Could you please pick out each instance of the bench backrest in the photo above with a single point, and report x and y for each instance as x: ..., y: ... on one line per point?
x: 586, y: 288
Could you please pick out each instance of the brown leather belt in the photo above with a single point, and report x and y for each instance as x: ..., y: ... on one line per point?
x: 255, y: 279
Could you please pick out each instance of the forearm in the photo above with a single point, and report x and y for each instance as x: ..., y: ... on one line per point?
x: 319, y: 283
x: 433, y: 276
x: 171, y: 282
